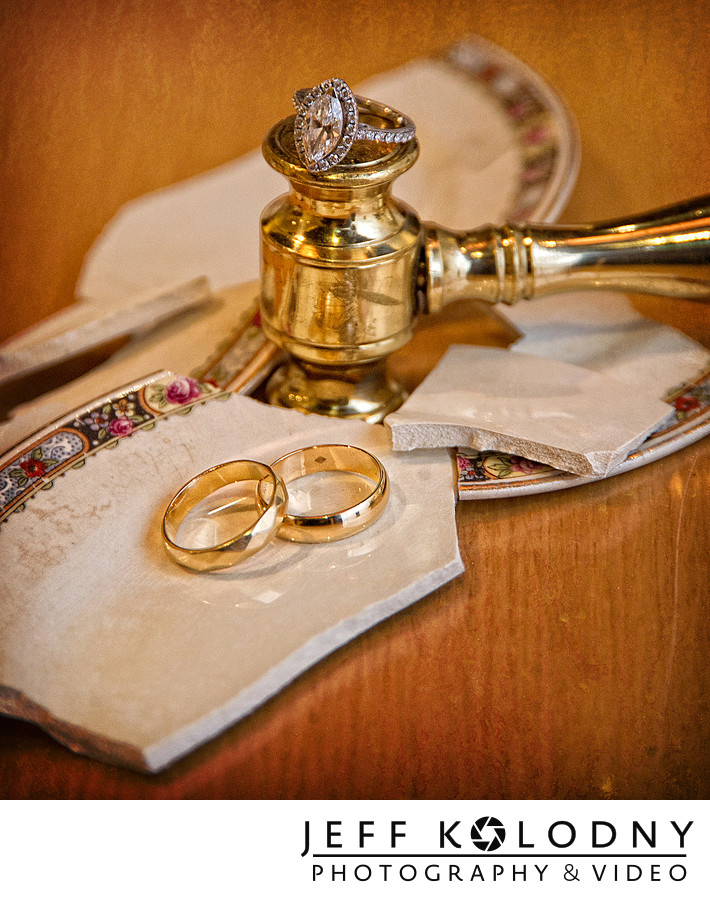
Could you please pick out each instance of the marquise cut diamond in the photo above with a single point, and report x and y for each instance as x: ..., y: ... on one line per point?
x: 323, y: 126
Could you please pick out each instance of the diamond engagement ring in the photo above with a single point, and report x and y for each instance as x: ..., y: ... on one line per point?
x: 328, y: 123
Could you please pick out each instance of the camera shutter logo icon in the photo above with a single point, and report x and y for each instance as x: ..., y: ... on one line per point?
x: 488, y: 833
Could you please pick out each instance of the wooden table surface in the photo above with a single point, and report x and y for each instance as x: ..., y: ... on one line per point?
x: 570, y: 660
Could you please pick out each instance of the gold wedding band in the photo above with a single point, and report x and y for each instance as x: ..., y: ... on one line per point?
x: 270, y: 509
x: 340, y: 522
x: 271, y: 504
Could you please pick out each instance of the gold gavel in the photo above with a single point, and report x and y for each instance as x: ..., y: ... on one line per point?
x: 347, y: 269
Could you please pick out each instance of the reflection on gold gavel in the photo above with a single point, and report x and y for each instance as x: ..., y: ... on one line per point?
x: 347, y: 269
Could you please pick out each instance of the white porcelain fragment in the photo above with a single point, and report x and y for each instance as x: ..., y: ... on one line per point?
x: 604, y: 332
x: 562, y: 415
x: 124, y: 655
x: 184, y: 344
x: 20, y: 360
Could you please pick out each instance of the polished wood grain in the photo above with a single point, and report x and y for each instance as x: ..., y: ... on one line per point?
x: 570, y: 659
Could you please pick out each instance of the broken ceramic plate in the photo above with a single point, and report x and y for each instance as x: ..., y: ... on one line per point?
x: 124, y: 655
x: 562, y: 415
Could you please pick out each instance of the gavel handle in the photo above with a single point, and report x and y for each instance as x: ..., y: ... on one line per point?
x: 666, y: 251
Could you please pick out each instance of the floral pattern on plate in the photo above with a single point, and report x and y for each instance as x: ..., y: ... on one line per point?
x: 34, y: 464
x: 544, y: 127
x: 235, y: 353
x: 477, y: 467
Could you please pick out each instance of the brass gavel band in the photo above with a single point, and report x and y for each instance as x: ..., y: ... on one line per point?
x: 269, y: 515
x: 340, y: 522
x: 666, y: 251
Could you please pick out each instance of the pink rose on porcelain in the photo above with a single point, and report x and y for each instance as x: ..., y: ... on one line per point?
x: 182, y: 390
x: 121, y: 426
x: 523, y: 465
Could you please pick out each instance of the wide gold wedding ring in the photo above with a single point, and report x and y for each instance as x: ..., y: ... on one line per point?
x: 337, y: 523
x: 270, y: 501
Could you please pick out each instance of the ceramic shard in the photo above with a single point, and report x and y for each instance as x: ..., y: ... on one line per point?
x: 604, y: 332
x: 124, y: 655
x: 562, y: 415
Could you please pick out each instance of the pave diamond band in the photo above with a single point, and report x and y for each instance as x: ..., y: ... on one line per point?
x: 328, y: 123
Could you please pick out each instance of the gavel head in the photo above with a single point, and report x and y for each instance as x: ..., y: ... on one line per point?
x: 346, y: 268
x: 340, y: 263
